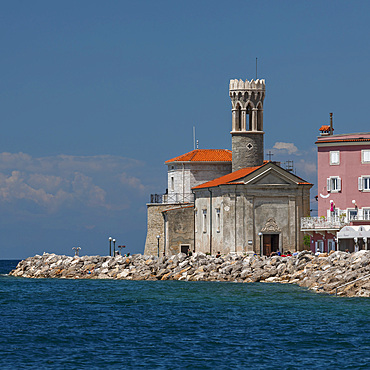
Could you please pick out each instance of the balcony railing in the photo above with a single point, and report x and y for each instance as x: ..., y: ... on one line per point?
x: 172, y: 198
x: 323, y: 223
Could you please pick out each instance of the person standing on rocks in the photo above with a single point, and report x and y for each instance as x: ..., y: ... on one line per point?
x: 332, y: 208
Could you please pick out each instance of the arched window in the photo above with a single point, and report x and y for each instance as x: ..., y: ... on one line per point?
x: 249, y: 117
x: 238, y: 118
x: 259, y: 117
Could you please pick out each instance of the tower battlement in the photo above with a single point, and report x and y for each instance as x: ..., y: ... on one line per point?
x: 247, y: 85
x: 247, y: 122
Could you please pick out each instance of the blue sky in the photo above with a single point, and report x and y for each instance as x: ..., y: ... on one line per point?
x: 96, y: 95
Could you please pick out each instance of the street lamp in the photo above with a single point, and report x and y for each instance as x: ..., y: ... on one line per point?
x: 355, y: 239
x: 260, y: 235
x: 158, y: 237
x: 120, y: 248
x: 77, y: 250
x: 114, y: 247
x: 110, y: 245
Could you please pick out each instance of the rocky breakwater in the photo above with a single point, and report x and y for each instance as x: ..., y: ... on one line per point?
x: 322, y: 273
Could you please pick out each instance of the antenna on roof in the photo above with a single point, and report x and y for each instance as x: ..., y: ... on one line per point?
x: 256, y: 68
x: 197, y: 144
x: 331, y: 124
x: 194, y: 137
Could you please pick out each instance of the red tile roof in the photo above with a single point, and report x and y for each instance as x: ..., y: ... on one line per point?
x: 233, y: 177
x: 229, y: 178
x: 204, y: 155
x: 342, y: 140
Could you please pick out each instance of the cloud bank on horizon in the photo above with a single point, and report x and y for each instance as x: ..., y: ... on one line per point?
x: 64, y: 181
x: 71, y: 200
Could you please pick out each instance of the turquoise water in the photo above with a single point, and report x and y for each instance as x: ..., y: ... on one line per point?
x: 80, y: 324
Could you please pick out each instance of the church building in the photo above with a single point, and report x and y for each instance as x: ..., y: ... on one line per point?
x: 225, y: 202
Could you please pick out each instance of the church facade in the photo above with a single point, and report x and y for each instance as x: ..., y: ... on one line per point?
x: 240, y: 204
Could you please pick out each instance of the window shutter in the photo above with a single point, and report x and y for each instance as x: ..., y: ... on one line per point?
x: 328, y: 184
x: 360, y: 183
x: 339, y: 181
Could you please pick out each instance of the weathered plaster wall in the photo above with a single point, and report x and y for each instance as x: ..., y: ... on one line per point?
x: 186, y: 176
x: 244, y: 212
x: 179, y: 229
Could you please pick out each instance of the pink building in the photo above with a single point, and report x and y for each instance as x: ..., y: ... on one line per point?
x: 343, y: 192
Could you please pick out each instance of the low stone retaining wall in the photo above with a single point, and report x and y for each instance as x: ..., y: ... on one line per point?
x: 322, y: 273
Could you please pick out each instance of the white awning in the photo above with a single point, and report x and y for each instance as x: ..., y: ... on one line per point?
x: 350, y: 232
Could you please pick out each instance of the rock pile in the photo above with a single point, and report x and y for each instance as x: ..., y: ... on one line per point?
x: 322, y: 273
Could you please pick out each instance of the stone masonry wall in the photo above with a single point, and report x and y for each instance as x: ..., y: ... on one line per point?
x: 155, y: 226
x: 247, y: 150
x: 180, y: 229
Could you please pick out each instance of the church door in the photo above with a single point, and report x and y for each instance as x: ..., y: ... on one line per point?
x: 270, y: 243
x: 266, y: 244
x: 274, y: 242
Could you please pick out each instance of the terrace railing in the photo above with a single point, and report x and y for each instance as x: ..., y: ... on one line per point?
x: 172, y: 198
x: 323, y: 223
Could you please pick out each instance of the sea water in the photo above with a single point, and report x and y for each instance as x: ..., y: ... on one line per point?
x: 94, y: 324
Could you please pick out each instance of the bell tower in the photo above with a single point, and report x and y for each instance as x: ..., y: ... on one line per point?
x: 247, y: 122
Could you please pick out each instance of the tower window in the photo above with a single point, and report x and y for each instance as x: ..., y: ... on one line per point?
x: 249, y: 118
x: 238, y: 118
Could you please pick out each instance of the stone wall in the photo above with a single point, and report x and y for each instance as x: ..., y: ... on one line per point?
x: 247, y: 148
x: 155, y: 226
x: 176, y: 230
x: 179, y: 229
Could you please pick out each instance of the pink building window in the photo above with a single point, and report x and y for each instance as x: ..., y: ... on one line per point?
x: 334, y: 184
x: 365, y: 156
x: 364, y: 183
x: 334, y: 158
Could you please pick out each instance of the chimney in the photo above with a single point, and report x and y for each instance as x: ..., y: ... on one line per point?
x: 331, y: 124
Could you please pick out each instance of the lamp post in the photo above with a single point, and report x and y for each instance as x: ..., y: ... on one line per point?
x: 110, y: 245
x: 77, y: 250
x: 120, y: 248
x: 114, y: 247
x: 158, y: 237
x: 260, y: 235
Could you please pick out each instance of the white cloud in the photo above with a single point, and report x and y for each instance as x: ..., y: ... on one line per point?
x: 289, y: 147
x: 306, y: 167
x: 69, y: 182
x: 131, y: 181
